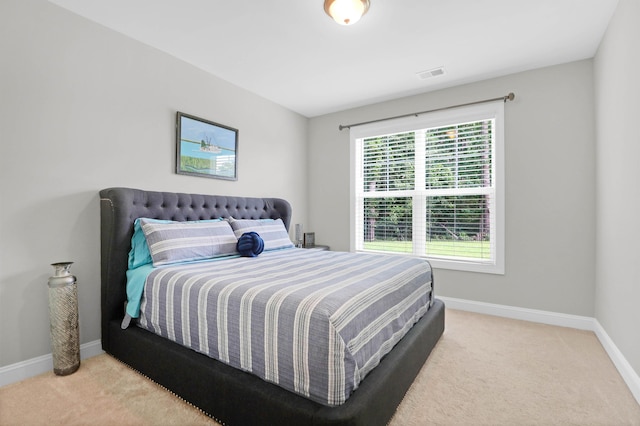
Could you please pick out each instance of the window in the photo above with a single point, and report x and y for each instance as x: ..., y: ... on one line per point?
x: 433, y: 187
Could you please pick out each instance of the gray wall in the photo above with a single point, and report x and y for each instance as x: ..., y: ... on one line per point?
x: 550, y: 179
x: 83, y: 108
x: 617, y: 68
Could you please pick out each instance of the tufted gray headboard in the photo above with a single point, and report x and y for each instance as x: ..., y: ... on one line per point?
x: 119, y: 207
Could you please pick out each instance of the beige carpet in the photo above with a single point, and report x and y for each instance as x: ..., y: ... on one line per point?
x: 484, y: 371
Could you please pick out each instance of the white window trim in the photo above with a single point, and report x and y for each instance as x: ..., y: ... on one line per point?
x: 441, y: 118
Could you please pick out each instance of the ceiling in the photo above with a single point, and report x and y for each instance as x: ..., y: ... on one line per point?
x: 292, y: 53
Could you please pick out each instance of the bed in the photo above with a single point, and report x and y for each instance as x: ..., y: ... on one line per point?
x: 230, y: 395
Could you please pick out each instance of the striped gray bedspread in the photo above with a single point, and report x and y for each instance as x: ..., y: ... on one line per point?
x: 314, y: 322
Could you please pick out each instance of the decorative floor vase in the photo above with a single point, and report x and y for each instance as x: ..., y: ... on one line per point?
x: 63, y: 314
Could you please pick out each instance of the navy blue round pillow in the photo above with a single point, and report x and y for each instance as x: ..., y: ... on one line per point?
x: 250, y: 244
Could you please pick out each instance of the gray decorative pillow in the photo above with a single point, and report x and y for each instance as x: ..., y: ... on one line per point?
x: 175, y: 242
x: 272, y: 232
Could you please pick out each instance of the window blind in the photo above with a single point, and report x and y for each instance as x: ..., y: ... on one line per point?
x: 429, y: 191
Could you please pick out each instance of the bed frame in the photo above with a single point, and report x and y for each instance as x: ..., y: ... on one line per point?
x: 229, y: 395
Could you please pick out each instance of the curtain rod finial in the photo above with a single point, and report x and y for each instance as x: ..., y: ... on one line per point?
x: 509, y: 97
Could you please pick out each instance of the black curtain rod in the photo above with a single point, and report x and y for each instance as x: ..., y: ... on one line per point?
x: 506, y: 98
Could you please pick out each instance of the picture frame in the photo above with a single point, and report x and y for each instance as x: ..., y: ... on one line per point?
x: 309, y: 239
x: 205, y: 148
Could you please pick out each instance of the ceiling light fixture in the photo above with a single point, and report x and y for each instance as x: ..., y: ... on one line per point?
x: 346, y: 12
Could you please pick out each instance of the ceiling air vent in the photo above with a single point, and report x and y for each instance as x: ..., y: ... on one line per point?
x: 423, y: 75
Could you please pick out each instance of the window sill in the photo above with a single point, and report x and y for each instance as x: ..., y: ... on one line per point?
x: 458, y: 265
x: 455, y: 265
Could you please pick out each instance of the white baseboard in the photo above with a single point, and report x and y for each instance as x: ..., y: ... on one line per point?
x: 32, y: 367
x: 627, y: 372
x: 533, y: 315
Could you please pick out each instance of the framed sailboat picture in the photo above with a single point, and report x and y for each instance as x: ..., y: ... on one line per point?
x: 205, y: 148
